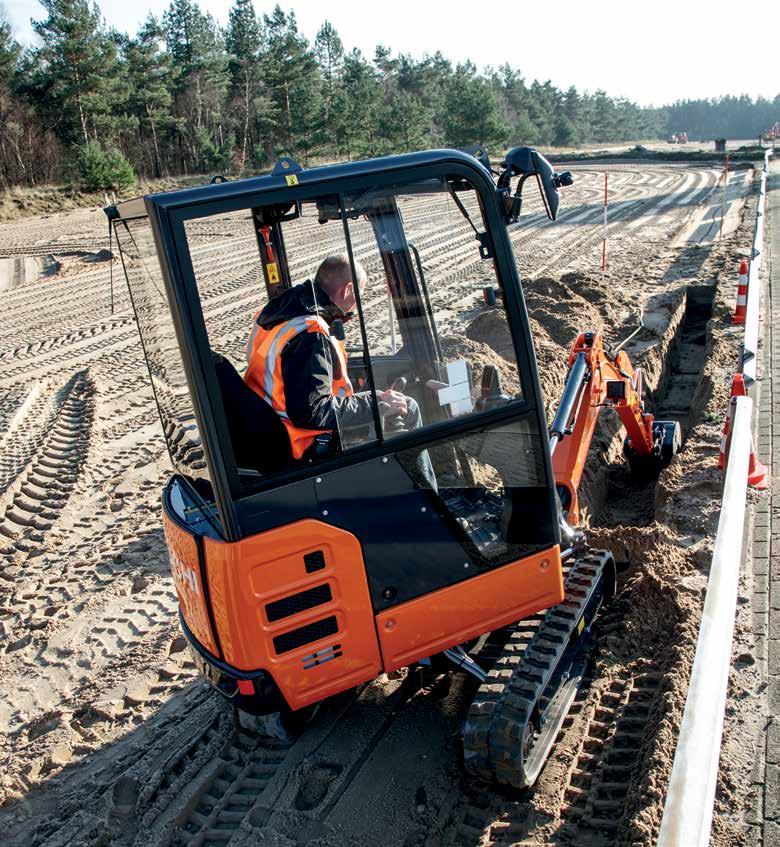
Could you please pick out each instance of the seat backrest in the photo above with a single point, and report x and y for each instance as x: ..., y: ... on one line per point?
x: 260, y: 441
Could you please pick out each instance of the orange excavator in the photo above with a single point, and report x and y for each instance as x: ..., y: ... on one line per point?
x: 300, y: 578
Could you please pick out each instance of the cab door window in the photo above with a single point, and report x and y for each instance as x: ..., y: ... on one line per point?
x: 434, y: 340
x: 269, y: 315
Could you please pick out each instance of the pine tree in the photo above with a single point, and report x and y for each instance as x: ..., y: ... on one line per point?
x: 243, y: 40
x: 197, y: 48
x: 565, y: 131
x: 356, y: 107
x: 151, y: 79
x: 78, y: 70
x: 472, y: 114
x: 604, y: 118
x: 405, y: 123
x: 9, y: 146
x: 330, y: 57
x: 9, y: 52
x: 292, y: 76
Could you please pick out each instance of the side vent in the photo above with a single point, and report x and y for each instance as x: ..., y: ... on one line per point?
x: 296, y: 603
x: 286, y: 641
x: 314, y: 561
x: 319, y: 657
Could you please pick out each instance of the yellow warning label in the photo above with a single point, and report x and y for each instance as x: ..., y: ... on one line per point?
x: 581, y: 625
x: 292, y: 179
x: 273, y: 272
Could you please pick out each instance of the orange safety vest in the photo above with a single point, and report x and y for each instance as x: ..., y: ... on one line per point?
x: 264, y: 374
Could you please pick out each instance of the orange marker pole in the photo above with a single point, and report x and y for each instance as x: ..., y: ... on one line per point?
x: 604, y: 238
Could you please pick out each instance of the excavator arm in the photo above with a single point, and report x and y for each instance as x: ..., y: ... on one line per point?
x: 597, y: 379
x: 523, y: 700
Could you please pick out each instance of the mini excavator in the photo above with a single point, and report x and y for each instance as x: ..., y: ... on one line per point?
x: 299, y: 579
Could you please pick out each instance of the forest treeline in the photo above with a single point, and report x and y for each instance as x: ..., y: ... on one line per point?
x: 185, y: 95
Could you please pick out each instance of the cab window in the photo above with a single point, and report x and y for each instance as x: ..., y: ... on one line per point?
x: 428, y: 332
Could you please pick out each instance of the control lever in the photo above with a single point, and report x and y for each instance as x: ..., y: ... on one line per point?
x: 393, y: 423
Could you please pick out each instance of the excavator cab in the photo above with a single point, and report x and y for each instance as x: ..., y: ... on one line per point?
x: 299, y: 578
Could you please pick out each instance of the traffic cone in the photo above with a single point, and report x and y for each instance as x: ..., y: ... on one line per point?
x: 758, y: 473
x: 742, y: 289
x: 724, y: 439
x: 738, y: 389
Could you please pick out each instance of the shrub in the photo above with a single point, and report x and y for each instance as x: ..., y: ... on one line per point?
x: 104, y: 170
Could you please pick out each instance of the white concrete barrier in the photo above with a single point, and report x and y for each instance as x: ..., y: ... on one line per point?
x: 750, y: 345
x: 687, y: 817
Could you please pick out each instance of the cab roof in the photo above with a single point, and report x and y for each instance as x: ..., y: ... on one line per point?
x: 287, y: 172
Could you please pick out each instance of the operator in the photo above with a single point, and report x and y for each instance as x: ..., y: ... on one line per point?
x: 297, y: 366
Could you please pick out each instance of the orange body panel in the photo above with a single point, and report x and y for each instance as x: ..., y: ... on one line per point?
x: 453, y: 615
x: 185, y: 569
x: 246, y: 576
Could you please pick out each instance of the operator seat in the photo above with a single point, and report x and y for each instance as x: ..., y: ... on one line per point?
x: 257, y: 434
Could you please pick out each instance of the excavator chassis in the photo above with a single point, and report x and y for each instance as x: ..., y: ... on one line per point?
x: 519, y: 709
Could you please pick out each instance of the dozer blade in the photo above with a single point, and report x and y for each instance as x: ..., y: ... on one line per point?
x: 519, y: 709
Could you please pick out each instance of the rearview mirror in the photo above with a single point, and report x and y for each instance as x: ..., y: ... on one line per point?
x: 525, y: 162
x: 547, y: 188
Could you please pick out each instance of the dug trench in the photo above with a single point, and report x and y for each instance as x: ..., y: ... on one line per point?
x: 619, y: 732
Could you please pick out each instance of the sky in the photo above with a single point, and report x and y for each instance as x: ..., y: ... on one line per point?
x: 651, y: 52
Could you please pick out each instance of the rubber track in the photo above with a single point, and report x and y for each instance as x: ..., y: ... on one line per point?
x: 497, y: 720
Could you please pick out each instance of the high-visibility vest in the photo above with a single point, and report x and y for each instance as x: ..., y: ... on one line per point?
x: 264, y: 374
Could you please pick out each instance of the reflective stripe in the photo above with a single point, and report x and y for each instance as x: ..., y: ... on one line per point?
x: 295, y: 324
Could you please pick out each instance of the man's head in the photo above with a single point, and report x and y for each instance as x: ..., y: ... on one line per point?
x: 334, y: 276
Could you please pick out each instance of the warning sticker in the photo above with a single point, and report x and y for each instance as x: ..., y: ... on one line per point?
x: 273, y: 272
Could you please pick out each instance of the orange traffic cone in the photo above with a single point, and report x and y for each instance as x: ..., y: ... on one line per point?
x: 758, y: 473
x: 738, y: 389
x: 742, y: 289
x: 724, y: 439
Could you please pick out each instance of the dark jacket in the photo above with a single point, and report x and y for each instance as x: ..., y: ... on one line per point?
x: 308, y: 364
